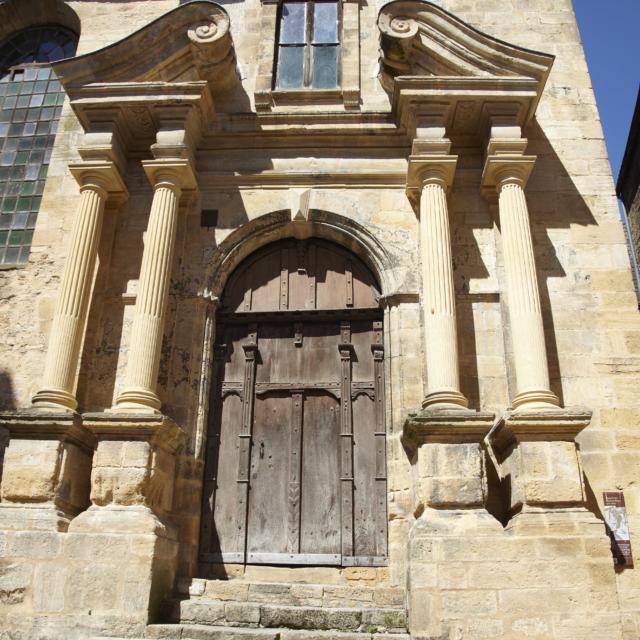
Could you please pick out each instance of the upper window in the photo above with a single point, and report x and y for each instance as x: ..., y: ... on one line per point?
x: 30, y: 104
x: 308, y: 47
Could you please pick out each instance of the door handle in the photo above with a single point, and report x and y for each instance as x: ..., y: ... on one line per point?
x: 261, y: 454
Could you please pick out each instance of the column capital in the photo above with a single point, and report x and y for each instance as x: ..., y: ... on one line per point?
x: 505, y: 163
x: 429, y: 169
x: 174, y: 173
x: 102, y: 176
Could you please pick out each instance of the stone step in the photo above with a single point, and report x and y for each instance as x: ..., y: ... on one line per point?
x: 206, y: 632
x: 311, y: 595
x: 257, y: 614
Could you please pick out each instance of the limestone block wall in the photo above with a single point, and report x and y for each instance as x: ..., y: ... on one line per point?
x: 592, y: 324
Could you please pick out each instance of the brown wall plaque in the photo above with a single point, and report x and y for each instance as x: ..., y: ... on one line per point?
x: 615, y: 517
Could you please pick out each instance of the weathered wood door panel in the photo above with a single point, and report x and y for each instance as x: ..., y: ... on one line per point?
x: 268, y: 478
x: 295, y: 469
x: 320, y: 528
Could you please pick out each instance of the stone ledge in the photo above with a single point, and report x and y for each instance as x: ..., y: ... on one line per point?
x: 158, y: 429
x: 37, y: 424
x: 446, y: 426
x: 549, y: 425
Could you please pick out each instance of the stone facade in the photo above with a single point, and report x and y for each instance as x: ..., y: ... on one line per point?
x: 463, y: 160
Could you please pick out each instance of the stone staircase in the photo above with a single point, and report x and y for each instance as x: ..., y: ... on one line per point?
x: 251, y: 610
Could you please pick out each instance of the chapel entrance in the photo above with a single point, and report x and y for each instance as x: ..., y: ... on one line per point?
x: 295, y: 465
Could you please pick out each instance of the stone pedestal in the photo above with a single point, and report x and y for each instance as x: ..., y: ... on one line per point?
x: 132, y: 495
x: 446, y: 447
x: 538, y: 455
x: 46, y: 470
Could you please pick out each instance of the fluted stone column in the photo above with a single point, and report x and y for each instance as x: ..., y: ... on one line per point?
x: 70, y: 316
x: 509, y: 176
x: 430, y: 174
x: 139, y: 392
x: 438, y: 295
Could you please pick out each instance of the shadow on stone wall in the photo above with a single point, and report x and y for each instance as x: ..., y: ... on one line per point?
x: 7, y: 403
x: 7, y: 394
x: 554, y: 203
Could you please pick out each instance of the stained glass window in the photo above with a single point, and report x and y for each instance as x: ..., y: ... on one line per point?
x: 308, y: 45
x: 30, y: 104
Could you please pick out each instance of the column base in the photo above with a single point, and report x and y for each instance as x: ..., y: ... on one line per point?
x: 535, y: 399
x: 445, y: 399
x: 54, y: 399
x: 138, y: 401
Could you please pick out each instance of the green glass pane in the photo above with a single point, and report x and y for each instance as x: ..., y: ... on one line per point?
x: 325, y: 67
x: 28, y: 236
x: 16, y: 237
x: 291, y: 68
x: 43, y: 172
x: 9, y: 205
x: 13, y: 88
x: 11, y: 255
x: 24, y: 203
x: 22, y: 157
x: 40, y: 86
x: 3, y: 238
x: 50, y: 99
x: 28, y: 188
x: 36, y: 203
x: 24, y: 254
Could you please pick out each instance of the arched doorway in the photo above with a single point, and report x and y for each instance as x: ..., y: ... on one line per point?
x: 295, y: 463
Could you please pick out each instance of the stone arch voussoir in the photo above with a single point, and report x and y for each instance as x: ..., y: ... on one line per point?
x: 279, y: 225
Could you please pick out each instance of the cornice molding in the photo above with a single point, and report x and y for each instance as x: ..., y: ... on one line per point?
x: 428, y: 55
x: 184, y: 57
x: 189, y: 43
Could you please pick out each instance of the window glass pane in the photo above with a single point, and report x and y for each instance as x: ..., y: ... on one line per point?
x: 28, y: 111
x: 291, y: 68
x: 325, y: 67
x: 325, y: 22
x: 293, y: 23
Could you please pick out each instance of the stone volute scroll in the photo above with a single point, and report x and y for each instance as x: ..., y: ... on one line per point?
x: 212, y: 48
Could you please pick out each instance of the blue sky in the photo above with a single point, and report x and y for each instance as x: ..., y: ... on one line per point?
x: 610, y: 32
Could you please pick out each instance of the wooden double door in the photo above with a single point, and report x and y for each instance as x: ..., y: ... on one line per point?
x: 296, y: 465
